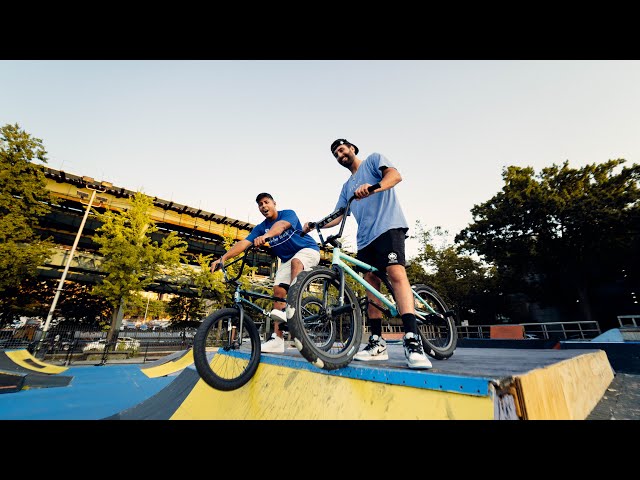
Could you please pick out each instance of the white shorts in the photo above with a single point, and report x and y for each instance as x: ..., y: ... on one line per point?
x: 309, y: 258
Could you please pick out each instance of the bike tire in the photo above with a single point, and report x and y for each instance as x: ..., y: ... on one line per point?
x: 439, y: 335
x: 221, y: 363
x: 323, y: 283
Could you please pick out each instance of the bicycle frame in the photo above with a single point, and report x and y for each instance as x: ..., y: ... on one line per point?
x: 240, y: 294
x: 239, y: 298
x: 338, y: 261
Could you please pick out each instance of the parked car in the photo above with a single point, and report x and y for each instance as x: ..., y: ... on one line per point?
x: 124, y: 343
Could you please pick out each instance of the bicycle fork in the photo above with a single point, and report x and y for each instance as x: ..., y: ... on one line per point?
x: 231, y: 329
x: 341, y: 308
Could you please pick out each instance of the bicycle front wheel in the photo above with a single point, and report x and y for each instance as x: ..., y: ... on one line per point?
x: 225, y: 355
x: 323, y: 332
x: 327, y: 330
x: 438, y: 332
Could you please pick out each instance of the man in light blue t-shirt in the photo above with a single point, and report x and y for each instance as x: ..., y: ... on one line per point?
x: 296, y: 253
x: 382, y: 229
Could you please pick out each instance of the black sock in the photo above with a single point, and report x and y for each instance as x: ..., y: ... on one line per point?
x: 409, y: 322
x: 375, y: 324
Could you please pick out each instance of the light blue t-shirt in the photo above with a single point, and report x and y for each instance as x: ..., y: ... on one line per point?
x: 289, y: 242
x: 380, y: 211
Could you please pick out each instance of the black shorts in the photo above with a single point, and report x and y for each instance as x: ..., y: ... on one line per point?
x: 387, y: 249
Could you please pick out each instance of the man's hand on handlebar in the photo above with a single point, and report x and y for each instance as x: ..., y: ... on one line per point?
x: 261, y: 240
x: 364, y: 190
x: 215, y: 265
x: 307, y: 227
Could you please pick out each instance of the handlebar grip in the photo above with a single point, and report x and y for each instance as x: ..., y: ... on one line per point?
x: 312, y: 225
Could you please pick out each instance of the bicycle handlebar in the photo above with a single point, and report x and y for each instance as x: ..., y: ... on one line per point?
x: 332, y: 216
x: 243, y: 258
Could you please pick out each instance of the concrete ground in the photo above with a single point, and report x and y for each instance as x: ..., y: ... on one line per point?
x: 621, y: 401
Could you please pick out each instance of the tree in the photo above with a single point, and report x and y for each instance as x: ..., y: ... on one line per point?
x: 24, y: 200
x: 186, y: 311
x: 562, y: 235
x: 153, y: 308
x: 132, y: 260
x: 459, y: 279
x: 210, y: 292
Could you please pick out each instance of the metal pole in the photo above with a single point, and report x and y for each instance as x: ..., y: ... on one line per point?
x: 146, y: 310
x: 66, y: 269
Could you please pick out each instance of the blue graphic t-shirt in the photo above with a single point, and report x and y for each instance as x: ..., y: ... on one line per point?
x: 380, y: 211
x: 289, y: 242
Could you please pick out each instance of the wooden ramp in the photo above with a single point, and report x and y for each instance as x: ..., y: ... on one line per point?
x: 474, y: 384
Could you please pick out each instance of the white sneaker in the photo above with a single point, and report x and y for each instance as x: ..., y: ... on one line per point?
x: 416, y: 357
x: 278, y: 315
x: 274, y: 345
x: 376, y: 349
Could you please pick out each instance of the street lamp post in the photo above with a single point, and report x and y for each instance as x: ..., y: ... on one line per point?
x: 66, y: 268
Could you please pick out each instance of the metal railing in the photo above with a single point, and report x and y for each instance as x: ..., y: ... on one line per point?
x: 582, y: 330
x: 65, y: 346
x: 629, y: 320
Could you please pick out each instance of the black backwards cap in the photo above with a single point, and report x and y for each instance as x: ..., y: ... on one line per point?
x: 342, y: 141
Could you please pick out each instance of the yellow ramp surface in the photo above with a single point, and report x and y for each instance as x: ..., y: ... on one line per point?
x: 568, y: 390
x: 279, y: 392
x: 170, y: 367
x: 23, y: 358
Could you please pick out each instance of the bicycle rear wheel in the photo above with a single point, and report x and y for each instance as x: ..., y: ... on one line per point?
x: 438, y: 332
x: 327, y: 334
x: 225, y: 356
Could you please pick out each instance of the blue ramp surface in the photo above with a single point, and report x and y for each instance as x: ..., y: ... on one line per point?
x: 94, y: 393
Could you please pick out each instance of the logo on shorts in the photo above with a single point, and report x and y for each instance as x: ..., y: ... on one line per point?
x: 393, y: 257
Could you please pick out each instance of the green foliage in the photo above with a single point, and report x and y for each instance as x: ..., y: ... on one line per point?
x: 208, y: 284
x: 132, y: 260
x: 138, y: 305
x: 458, y: 278
x: 24, y: 200
x: 561, y: 234
x: 79, y: 305
x: 186, y: 311
x: 30, y: 298
x: 34, y: 296
x: 212, y: 293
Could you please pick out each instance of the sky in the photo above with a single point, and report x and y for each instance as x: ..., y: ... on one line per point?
x: 212, y: 134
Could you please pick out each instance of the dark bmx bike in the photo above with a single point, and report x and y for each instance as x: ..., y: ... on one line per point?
x: 226, y: 347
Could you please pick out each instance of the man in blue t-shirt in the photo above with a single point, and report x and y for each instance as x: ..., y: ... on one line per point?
x: 382, y: 229
x: 281, y: 229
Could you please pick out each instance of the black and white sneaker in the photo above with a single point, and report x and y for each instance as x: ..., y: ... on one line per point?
x: 376, y: 349
x: 416, y: 358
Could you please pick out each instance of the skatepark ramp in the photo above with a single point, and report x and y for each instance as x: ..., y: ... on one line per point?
x: 170, y: 364
x: 474, y: 384
x: 19, y: 370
